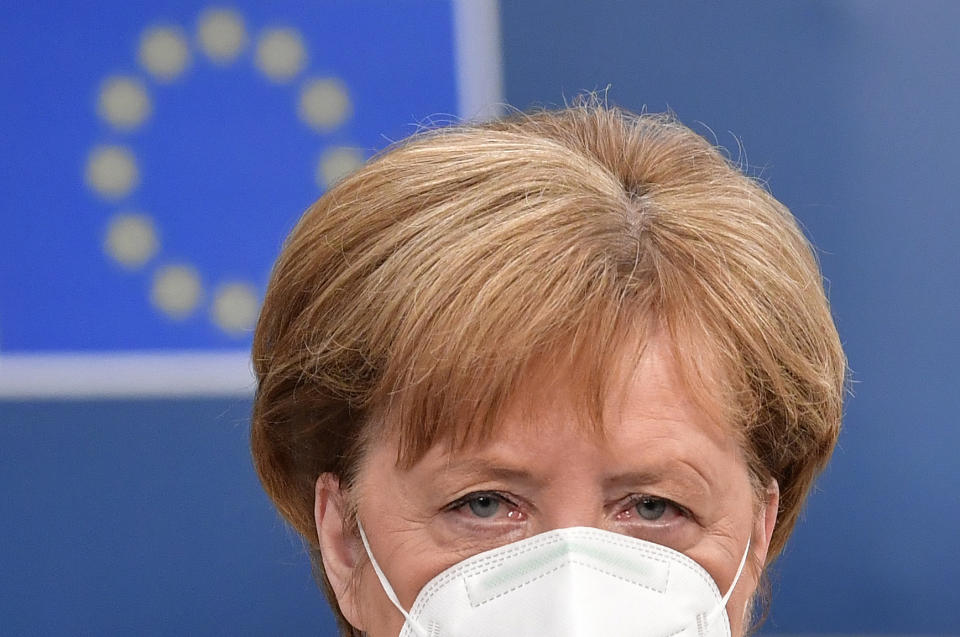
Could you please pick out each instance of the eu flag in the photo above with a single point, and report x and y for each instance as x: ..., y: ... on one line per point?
x: 154, y: 160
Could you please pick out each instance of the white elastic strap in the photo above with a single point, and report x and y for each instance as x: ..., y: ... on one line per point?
x: 417, y: 628
x: 736, y: 578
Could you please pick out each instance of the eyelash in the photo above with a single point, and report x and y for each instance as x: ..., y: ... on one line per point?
x: 637, y: 498
x: 630, y: 503
x: 466, y: 499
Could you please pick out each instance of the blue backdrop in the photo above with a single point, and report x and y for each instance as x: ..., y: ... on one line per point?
x: 848, y: 111
x: 144, y: 516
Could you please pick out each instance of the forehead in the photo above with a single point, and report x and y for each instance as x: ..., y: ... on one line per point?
x: 646, y: 397
x: 644, y: 404
x: 652, y: 432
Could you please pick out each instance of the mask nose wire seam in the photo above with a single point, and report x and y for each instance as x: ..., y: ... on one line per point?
x: 417, y: 628
x: 736, y: 578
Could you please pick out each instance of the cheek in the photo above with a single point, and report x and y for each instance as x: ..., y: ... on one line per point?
x: 716, y: 558
x: 740, y: 600
x: 745, y: 588
x: 750, y: 581
x: 721, y: 549
x: 378, y: 616
x: 408, y: 568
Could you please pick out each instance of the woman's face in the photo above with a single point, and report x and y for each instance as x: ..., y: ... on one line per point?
x: 664, y: 472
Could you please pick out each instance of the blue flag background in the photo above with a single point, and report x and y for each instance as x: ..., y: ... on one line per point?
x: 215, y: 157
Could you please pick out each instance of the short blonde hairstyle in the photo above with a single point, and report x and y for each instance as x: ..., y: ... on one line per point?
x: 427, y: 283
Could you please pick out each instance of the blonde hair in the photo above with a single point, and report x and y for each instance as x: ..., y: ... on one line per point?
x: 427, y: 283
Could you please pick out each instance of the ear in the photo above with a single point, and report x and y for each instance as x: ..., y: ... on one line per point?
x: 766, y: 523
x: 338, y: 548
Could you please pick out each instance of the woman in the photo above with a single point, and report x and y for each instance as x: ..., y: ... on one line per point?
x: 568, y: 372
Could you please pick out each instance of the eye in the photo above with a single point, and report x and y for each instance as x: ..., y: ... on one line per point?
x: 484, y: 505
x: 649, y: 508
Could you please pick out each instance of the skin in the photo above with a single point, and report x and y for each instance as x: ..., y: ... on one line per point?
x: 663, y: 471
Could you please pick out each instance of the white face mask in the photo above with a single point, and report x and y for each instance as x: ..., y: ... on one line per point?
x: 575, y: 581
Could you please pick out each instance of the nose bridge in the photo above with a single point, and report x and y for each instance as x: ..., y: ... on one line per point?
x: 573, y: 498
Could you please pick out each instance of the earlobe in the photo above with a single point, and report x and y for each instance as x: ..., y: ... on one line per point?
x: 337, y: 547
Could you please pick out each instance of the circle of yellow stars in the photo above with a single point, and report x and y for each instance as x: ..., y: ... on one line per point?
x: 132, y: 238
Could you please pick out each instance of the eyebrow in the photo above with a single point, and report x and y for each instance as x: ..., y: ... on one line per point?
x: 481, y: 468
x: 684, y: 475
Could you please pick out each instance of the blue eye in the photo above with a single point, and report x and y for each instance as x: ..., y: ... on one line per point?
x: 488, y: 509
x: 651, y: 508
x: 484, y: 505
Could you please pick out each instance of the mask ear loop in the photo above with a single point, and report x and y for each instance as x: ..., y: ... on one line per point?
x: 392, y: 596
x: 736, y: 578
